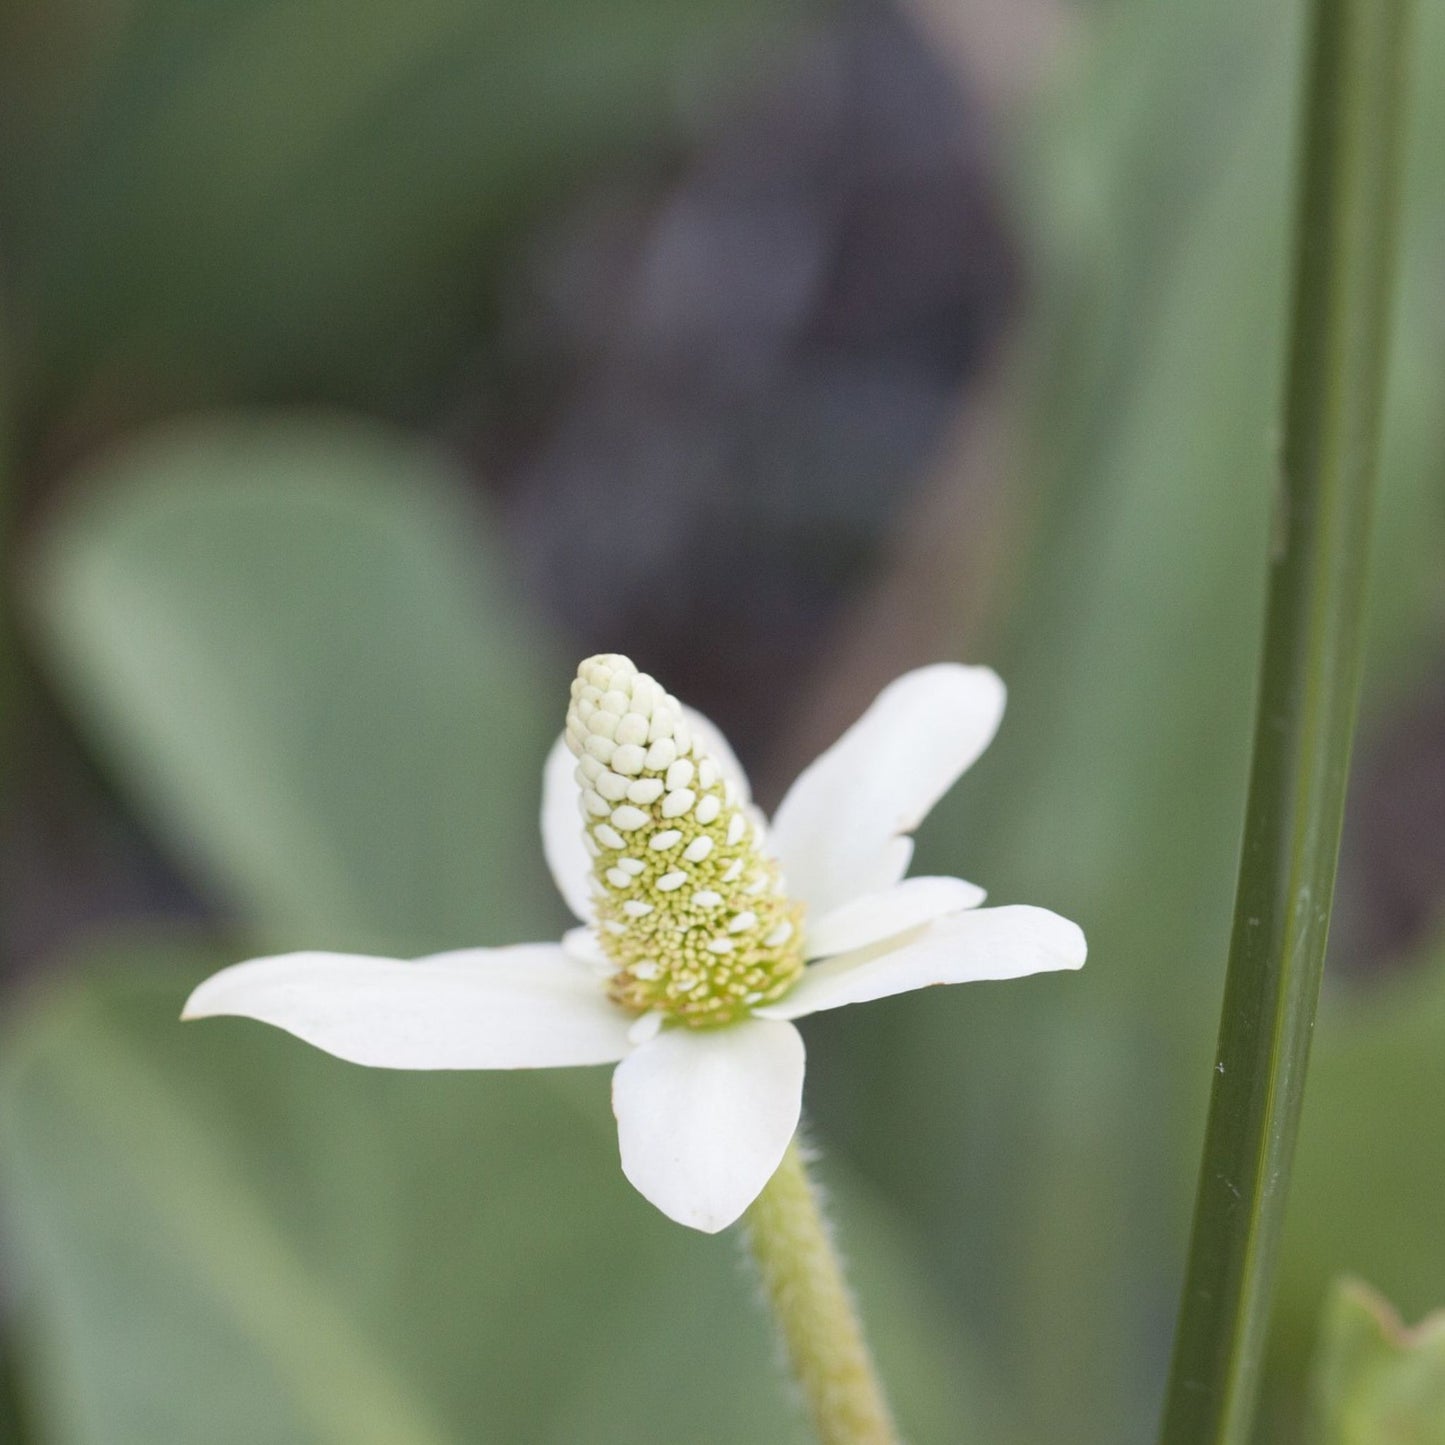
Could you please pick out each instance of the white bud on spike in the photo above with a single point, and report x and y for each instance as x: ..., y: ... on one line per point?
x: 632, y: 729
x: 611, y: 786
x: 645, y: 791
x: 676, y: 803
x: 629, y: 759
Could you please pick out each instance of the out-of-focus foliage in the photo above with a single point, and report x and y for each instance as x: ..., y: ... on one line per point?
x: 299, y: 656
x: 1377, y: 1383
x: 6, y: 638
x: 1160, y: 209
x: 10, y: 1417
x: 230, y: 1238
x: 1370, y: 1175
x: 305, y: 656
x: 244, y: 195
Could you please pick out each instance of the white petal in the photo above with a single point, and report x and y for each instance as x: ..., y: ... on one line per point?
x: 646, y: 1028
x: 704, y: 1115
x: 526, y: 1007
x: 986, y: 943
x: 708, y: 736
x: 835, y: 829
x: 876, y: 916
x: 584, y: 945
x: 562, y: 831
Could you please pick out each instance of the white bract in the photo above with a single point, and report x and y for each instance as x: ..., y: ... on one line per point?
x: 705, y: 933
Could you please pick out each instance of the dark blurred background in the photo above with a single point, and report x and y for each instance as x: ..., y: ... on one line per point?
x: 711, y: 366
x: 364, y: 366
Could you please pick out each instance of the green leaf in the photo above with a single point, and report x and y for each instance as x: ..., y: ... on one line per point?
x: 1370, y: 1173
x: 1376, y: 1382
x: 12, y: 1420
x: 298, y: 647
x: 260, y: 197
x: 225, y: 1236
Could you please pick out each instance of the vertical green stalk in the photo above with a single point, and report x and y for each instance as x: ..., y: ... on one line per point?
x: 804, y: 1283
x: 1344, y: 258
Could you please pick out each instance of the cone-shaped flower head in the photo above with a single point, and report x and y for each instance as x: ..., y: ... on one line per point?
x: 690, y: 909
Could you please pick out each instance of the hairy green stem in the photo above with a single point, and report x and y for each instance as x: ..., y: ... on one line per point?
x: 804, y: 1283
x: 1343, y: 264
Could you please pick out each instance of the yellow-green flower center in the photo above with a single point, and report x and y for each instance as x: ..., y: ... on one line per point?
x: 690, y: 908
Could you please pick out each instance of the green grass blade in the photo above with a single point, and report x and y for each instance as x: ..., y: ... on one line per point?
x: 1344, y: 259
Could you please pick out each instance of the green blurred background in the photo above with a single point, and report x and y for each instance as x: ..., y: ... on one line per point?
x: 361, y: 367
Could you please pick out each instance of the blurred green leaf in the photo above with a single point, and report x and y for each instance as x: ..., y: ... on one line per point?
x: 1376, y: 1382
x: 298, y: 647
x: 1370, y: 1173
x: 242, y: 195
x: 225, y: 1236
x: 1056, y: 1159
x: 7, y: 527
x: 12, y: 1423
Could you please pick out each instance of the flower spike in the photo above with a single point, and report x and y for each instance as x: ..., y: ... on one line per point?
x: 690, y: 908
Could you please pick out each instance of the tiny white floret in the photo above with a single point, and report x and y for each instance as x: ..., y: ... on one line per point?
x: 661, y: 755
x: 632, y: 729
x: 612, y: 786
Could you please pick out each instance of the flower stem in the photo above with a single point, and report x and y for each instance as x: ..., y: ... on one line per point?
x: 1344, y: 258
x: 804, y: 1282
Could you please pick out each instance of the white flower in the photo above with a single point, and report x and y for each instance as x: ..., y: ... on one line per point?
x: 706, y: 932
